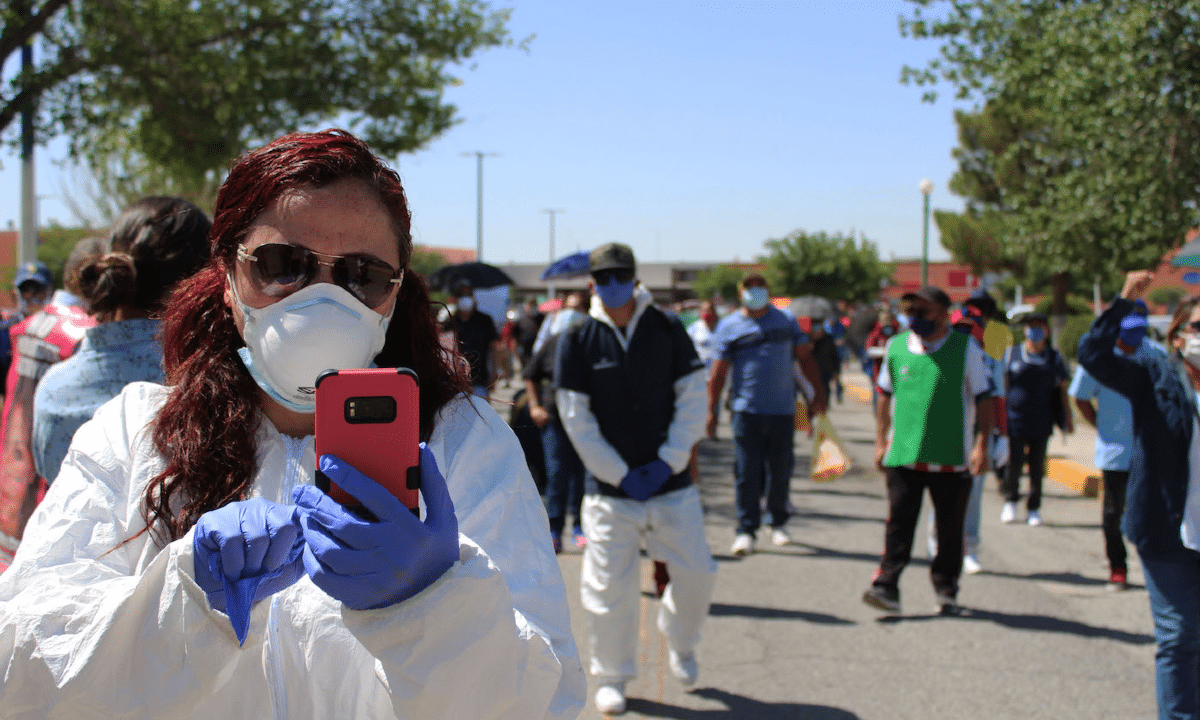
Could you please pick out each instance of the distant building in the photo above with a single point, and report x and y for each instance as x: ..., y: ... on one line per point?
x: 956, y: 279
x: 453, y: 255
x: 668, y: 282
x: 9, y: 239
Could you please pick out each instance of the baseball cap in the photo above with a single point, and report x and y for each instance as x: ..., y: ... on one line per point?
x: 983, y: 300
x: 935, y: 295
x: 612, y: 256
x: 1032, y: 317
x: 1132, y: 321
x: 35, y: 271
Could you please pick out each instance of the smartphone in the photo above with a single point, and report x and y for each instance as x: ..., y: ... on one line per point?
x: 370, y: 419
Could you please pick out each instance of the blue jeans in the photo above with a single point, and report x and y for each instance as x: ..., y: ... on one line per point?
x: 1173, y: 583
x: 970, y: 520
x: 764, y: 459
x: 564, y: 476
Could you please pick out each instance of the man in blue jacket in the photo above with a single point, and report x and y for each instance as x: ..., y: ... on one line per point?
x: 631, y: 398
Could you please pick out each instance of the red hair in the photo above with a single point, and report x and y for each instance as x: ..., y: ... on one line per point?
x: 205, y: 431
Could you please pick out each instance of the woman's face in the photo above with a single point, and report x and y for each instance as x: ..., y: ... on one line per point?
x: 345, y: 218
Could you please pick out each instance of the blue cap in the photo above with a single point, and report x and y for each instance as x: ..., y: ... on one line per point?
x: 1139, y: 307
x: 1133, y: 321
x: 36, y: 271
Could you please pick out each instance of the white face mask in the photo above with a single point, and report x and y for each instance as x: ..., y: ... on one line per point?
x: 317, y: 328
x: 1191, y: 349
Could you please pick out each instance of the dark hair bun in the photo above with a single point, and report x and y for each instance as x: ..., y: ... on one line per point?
x: 108, y: 282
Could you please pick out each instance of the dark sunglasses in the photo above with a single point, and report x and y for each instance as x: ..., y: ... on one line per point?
x: 279, y: 270
x: 622, y: 275
x: 1194, y: 326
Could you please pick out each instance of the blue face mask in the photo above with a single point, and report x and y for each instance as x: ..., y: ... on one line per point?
x: 755, y: 298
x: 615, y: 294
x: 887, y: 330
x: 1035, y: 334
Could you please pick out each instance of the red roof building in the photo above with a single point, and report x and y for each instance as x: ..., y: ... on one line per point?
x: 453, y: 255
x: 955, y: 278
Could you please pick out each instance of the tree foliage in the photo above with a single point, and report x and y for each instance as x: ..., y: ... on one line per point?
x: 720, y: 281
x: 1109, y: 93
x: 190, y: 85
x: 837, y: 267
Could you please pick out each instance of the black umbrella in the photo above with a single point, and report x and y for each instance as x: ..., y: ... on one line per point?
x: 812, y: 306
x: 479, y: 275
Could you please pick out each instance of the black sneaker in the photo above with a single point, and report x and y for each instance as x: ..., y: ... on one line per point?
x: 883, y: 597
x: 947, y: 605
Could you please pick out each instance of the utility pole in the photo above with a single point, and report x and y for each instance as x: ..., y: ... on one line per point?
x: 479, y: 156
x: 925, y: 187
x: 551, y: 212
x: 27, y: 247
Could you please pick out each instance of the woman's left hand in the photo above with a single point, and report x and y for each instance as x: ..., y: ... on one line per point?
x: 368, y: 564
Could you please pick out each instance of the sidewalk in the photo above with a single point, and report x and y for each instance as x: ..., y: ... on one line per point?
x: 788, y: 636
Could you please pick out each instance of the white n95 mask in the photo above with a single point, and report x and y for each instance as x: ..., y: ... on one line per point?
x: 317, y: 328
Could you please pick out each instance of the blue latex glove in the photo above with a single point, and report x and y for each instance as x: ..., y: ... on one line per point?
x: 640, y: 483
x: 366, y: 564
x: 244, y: 552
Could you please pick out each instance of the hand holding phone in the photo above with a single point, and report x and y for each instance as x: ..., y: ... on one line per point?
x: 375, y: 563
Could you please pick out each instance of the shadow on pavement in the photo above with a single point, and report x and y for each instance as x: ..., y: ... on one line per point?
x: 1072, y: 578
x: 824, y: 552
x: 810, y: 515
x: 1040, y: 623
x: 830, y: 490
x: 771, y: 613
x: 740, y: 707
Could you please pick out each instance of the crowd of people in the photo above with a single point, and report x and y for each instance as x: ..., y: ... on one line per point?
x: 159, y: 498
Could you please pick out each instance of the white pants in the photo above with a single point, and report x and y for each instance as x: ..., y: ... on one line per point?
x: 673, y: 528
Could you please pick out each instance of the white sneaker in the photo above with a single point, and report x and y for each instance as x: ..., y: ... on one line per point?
x: 780, y: 537
x: 971, y: 564
x: 1009, y: 513
x: 1035, y: 518
x: 743, y: 544
x: 683, y: 667
x: 610, y: 699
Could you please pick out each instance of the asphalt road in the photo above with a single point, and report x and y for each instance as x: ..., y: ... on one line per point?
x: 788, y: 636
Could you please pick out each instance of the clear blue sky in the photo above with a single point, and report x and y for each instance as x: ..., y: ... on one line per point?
x: 690, y: 129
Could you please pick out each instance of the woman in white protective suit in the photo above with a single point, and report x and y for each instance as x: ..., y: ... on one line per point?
x: 183, y: 564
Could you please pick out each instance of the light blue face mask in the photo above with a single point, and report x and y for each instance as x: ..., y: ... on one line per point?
x: 755, y: 298
x: 1035, y: 334
x: 615, y: 294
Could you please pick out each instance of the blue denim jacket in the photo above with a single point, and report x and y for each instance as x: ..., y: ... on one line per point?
x: 1163, y: 411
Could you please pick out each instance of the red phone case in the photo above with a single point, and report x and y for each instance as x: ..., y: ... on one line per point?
x: 385, y: 451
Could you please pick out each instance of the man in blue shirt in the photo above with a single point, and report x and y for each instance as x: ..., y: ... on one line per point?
x: 1112, y: 416
x: 760, y: 345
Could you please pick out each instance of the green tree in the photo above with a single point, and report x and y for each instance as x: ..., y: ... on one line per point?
x: 55, y: 244
x: 837, y: 267
x: 188, y: 86
x: 1114, y: 86
x: 1169, y: 296
x: 720, y: 281
x: 425, y: 261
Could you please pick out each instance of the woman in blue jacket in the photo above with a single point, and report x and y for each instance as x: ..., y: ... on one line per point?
x: 1162, y: 518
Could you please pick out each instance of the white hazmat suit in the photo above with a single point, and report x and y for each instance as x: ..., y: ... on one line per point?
x: 91, y: 627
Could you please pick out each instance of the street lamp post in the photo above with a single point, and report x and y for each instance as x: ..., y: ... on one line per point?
x: 551, y: 212
x: 926, y: 187
x: 479, y: 156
